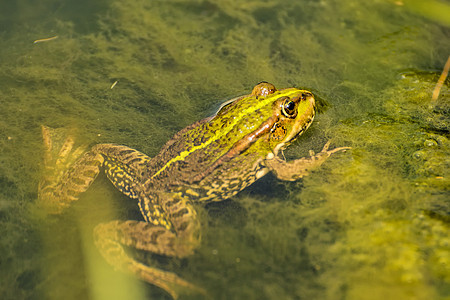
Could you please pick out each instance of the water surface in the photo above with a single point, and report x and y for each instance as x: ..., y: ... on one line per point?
x: 372, y: 223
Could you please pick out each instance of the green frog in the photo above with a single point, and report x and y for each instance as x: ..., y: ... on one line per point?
x: 210, y: 160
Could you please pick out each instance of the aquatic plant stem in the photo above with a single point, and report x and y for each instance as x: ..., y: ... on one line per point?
x: 441, y: 80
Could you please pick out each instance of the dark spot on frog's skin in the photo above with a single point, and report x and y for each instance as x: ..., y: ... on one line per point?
x: 154, y: 236
x: 183, y: 226
x: 125, y: 152
x: 136, y: 159
x: 180, y: 213
x: 170, y: 203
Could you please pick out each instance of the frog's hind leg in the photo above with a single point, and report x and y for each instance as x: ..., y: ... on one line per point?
x: 111, y: 238
x: 69, y: 171
x: 123, y: 166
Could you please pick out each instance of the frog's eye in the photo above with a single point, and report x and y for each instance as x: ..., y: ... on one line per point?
x: 263, y: 89
x: 288, y: 108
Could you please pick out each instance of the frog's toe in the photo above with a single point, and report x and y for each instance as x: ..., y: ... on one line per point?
x: 183, y: 289
x: 59, y: 147
x: 329, y: 152
x: 59, y: 156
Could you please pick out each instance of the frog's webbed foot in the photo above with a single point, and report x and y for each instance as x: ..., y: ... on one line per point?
x: 111, y: 238
x: 66, y: 172
x: 293, y: 170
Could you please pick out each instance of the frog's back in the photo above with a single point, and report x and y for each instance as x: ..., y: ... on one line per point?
x: 210, y: 159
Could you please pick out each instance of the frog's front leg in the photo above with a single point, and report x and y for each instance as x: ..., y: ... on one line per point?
x: 179, y: 240
x: 296, y: 169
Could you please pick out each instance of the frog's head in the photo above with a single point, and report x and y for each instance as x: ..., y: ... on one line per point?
x: 292, y: 114
x: 245, y: 129
x: 265, y: 121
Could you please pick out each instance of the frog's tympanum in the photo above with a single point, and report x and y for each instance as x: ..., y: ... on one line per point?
x: 210, y: 160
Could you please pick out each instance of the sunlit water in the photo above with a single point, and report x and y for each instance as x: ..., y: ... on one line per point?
x: 372, y: 223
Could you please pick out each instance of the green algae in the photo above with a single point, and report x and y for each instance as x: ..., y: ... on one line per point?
x: 371, y: 223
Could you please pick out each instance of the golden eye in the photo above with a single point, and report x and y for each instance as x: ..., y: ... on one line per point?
x: 288, y: 108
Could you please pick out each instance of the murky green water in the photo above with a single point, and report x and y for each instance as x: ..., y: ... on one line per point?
x: 372, y: 223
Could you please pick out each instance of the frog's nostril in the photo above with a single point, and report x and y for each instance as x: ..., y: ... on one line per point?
x: 306, y: 95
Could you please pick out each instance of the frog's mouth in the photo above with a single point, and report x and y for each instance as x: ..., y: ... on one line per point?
x: 300, y: 125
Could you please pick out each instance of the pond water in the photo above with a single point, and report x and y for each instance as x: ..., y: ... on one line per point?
x: 371, y: 223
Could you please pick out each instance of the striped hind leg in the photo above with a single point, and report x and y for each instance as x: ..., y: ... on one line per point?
x: 177, y: 239
x: 68, y: 172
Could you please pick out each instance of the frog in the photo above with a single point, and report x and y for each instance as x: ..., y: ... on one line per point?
x: 208, y: 161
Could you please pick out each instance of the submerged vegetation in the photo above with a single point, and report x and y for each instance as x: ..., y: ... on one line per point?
x: 371, y: 223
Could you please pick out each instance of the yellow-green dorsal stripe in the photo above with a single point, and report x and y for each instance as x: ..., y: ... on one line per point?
x: 225, y: 131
